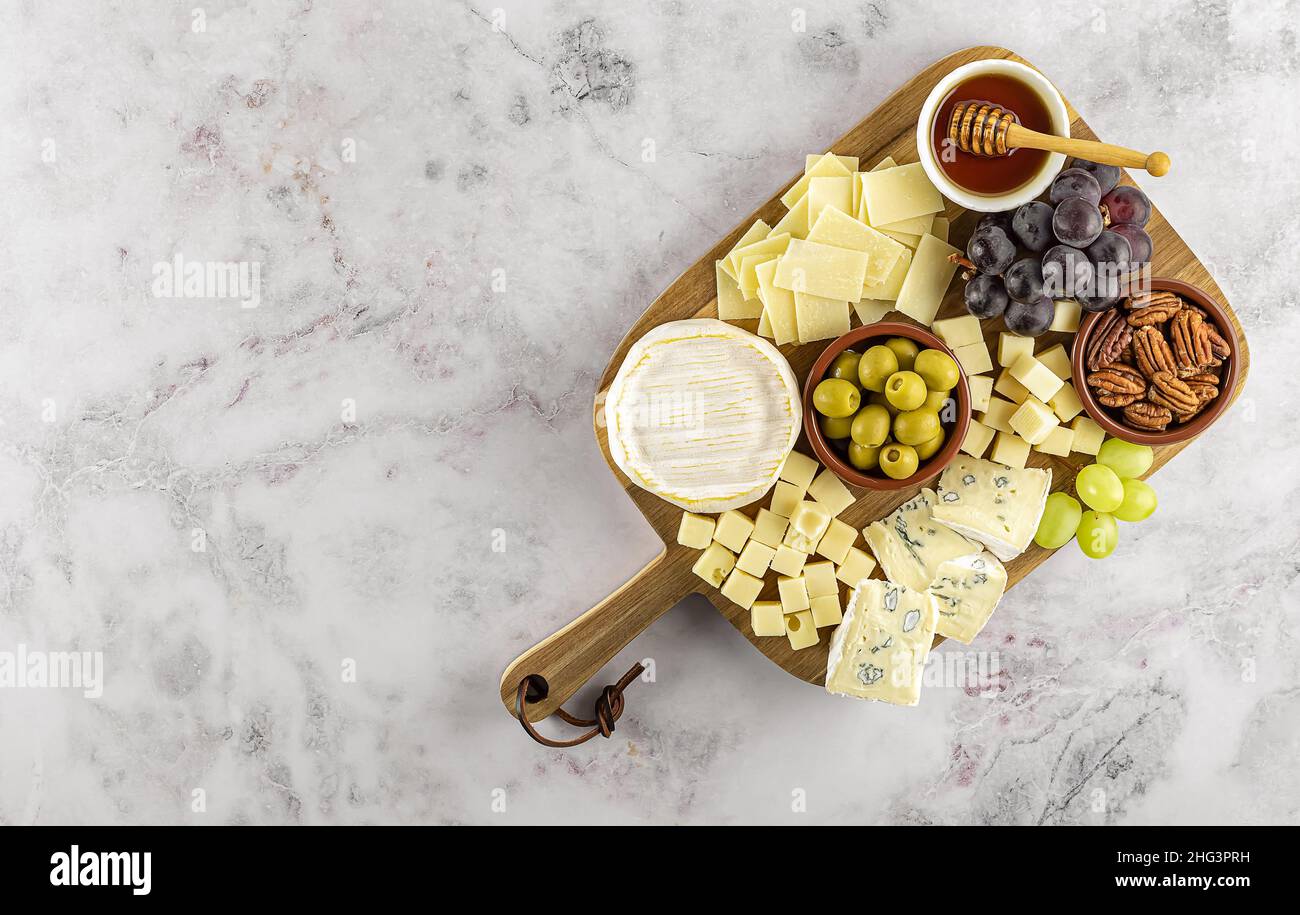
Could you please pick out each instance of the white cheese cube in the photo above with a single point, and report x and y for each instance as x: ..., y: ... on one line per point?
x: 732, y: 530
x: 801, y: 630
x: 910, y: 545
x: 826, y: 610
x: 1088, y: 436
x: 879, y: 651
x: 1066, y: 319
x: 831, y: 492
x: 1058, y: 442
x: 1066, y: 404
x: 769, y: 528
x: 974, y: 358
x: 994, y: 505
x: 1010, y: 449
x: 1037, y: 377
x: 695, y: 531
x: 966, y: 591
x: 742, y: 589
x: 1012, y: 346
x: 799, y: 470
x: 766, y: 618
x: 1057, y: 361
x: 755, y: 558
x: 981, y: 389
x: 794, y: 593
x: 836, y: 541
x: 1009, y: 388
x: 1033, y: 421
x: 997, y: 416
x: 977, y: 438
x: 856, y: 566
x: 958, y: 331
x: 819, y: 579
x: 785, y: 496
x: 714, y: 564
x: 807, y: 525
x: 788, y: 561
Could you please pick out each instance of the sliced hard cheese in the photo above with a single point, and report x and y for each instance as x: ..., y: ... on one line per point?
x: 917, y: 225
x: 765, y: 326
x: 888, y: 290
x: 757, y: 232
x: 778, y: 305
x: 829, y: 193
x: 879, y: 651
x: 795, y: 222
x: 998, y: 506
x: 732, y: 305
x: 887, y: 162
x: 833, y: 273
x: 749, y: 275
x: 849, y: 162
x: 927, y: 280
x: 910, y: 545
x: 818, y: 318
x: 703, y: 414
x: 894, y: 194
x: 843, y: 231
x: 939, y: 229
x: 966, y: 591
x: 907, y: 239
x: 870, y: 310
x: 826, y: 167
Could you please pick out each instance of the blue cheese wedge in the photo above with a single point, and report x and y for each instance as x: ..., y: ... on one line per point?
x: 879, y: 650
x: 966, y: 591
x: 910, y: 546
x: 997, y: 505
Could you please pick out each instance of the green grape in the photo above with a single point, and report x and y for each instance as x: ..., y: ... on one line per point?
x: 1098, y: 533
x: 1099, y: 487
x: 1139, y: 502
x: 1059, y: 522
x: 1128, y: 460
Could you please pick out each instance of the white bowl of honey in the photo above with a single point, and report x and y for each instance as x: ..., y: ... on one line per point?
x: 991, y: 184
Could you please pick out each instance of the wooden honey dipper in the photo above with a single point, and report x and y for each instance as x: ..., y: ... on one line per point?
x: 984, y: 129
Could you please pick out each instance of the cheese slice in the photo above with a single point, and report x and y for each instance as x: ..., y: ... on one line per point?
x: 765, y: 326
x: 894, y: 194
x: 818, y: 318
x: 887, y: 162
x: 757, y: 232
x: 880, y: 648
x: 828, y: 193
x: 939, y: 228
x: 870, y: 311
x: 833, y: 273
x: 917, y: 225
x: 849, y: 162
x: 996, y: 505
x: 910, y: 545
x: 732, y: 305
x: 795, y: 222
x: 778, y: 305
x: 927, y: 280
x: 828, y: 166
x: 888, y: 290
x: 703, y: 414
x: 966, y: 591
x: 843, y: 231
x: 907, y: 239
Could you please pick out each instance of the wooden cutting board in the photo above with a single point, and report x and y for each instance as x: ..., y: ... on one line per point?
x: 570, y: 657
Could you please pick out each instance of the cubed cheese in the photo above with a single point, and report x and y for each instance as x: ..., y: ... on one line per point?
x: 801, y: 630
x: 977, y: 438
x: 1033, y: 421
x: 809, y: 521
x: 732, y: 530
x: 836, y: 541
x: 714, y: 564
x: 1088, y: 436
x: 1008, y: 387
x: 1066, y: 319
x: 829, y: 491
x: 1058, y: 442
x: 856, y: 566
x: 794, y: 593
x: 981, y: 388
x: 826, y: 610
x: 788, y: 561
x: 695, y: 531
x: 1010, y: 449
x: 769, y: 528
x: 742, y: 589
x: 1057, y: 360
x: 1066, y: 404
x: 766, y: 618
x: 997, y: 416
x: 1012, y: 346
x: 755, y: 558
x: 974, y: 358
x: 785, y: 496
x: 819, y: 578
x: 966, y: 591
x: 1037, y: 377
x: 958, y: 331
x: 799, y: 469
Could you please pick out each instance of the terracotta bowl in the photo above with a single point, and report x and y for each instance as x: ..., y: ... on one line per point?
x: 1112, y: 420
x: 861, y: 339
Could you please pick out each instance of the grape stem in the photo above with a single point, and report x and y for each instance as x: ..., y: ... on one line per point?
x: 965, y: 263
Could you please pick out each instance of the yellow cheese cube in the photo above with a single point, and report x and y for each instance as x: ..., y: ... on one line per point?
x: 1066, y: 319
x: 958, y: 331
x: 829, y: 192
x: 732, y: 305
x: 800, y: 630
x: 1009, y: 388
x: 755, y: 558
x: 1037, y: 377
x: 794, y: 593
x: 1012, y: 346
x: 1057, y: 361
x: 981, y: 389
x: 757, y: 232
x: 778, y: 304
x: 810, y: 160
x: 695, y: 531
x: 1033, y: 421
x: 998, y: 414
x: 894, y: 194
x: 843, y: 231
x: 1066, y: 404
x: 927, y: 280
x: 769, y: 528
x: 827, y: 166
x: 977, y: 439
x: 785, y: 496
x: 939, y: 228
x: 788, y: 561
x: 834, y: 273
x: 819, y: 578
x: 766, y: 618
x: 826, y: 610
x: 1058, y: 442
x: 857, y: 565
x: 732, y: 530
x: 1088, y: 436
x: 820, y: 319
x: 799, y: 469
x: 714, y: 564
x: 889, y: 290
x: 794, y: 222
x: 742, y: 589
x: 807, y: 524
x: 869, y: 311
x: 836, y: 541
x: 1011, y: 450
x: 831, y: 492
x: 974, y: 358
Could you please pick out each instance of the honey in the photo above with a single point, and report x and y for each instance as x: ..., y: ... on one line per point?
x: 997, y: 175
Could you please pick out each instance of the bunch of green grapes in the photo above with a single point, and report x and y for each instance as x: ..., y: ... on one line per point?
x: 1111, y: 489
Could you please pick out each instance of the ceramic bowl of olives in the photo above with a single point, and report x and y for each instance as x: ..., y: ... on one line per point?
x: 886, y: 406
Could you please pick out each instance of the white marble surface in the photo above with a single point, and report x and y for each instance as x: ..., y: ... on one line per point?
x: 486, y: 157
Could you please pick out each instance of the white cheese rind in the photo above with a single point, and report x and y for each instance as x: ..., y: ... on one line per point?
x: 910, y: 546
x: 703, y: 414
x: 879, y: 649
x: 996, y: 505
x: 966, y: 591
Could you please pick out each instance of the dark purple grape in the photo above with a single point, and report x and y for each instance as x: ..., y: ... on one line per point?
x: 1067, y: 272
x: 1107, y: 175
x: 1138, y: 240
x: 1077, y: 223
x: 1075, y: 182
x: 1032, y: 225
x: 985, y: 295
x: 1000, y: 220
x: 1029, y: 319
x: 1024, y: 280
x: 1111, y: 258
x: 1098, y: 302
x: 1127, y: 204
x: 990, y: 250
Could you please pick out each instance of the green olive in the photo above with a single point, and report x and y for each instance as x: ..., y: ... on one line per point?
x: 862, y: 457
x: 871, y: 426
x: 938, y: 369
x: 905, y: 390
x: 934, y: 400
x: 916, y: 426
x: 875, y: 367
x: 845, y: 366
x: 929, y: 449
x: 836, y: 427
x: 905, y: 350
x: 835, y: 397
x: 898, y: 461
x: 882, y: 400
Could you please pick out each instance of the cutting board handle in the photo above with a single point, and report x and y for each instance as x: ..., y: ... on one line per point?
x: 569, y: 658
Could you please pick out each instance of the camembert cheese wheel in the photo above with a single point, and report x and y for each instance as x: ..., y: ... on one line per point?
x: 702, y: 414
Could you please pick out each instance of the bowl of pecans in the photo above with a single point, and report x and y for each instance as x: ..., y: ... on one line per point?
x: 1159, y: 367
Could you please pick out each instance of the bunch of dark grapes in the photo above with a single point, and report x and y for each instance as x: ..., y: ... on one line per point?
x: 1070, y: 249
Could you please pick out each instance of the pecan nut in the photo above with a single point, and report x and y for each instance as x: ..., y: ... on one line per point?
x: 1191, y: 342
x: 1110, y: 399
x: 1118, y: 378
x: 1144, y: 414
x: 1109, y: 339
x: 1207, y: 377
x: 1218, y: 344
x: 1168, y: 390
x: 1204, y: 391
x: 1162, y: 298
x: 1154, y: 314
x: 1152, y: 351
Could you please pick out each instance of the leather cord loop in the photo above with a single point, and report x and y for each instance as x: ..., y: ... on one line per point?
x: 609, y: 707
